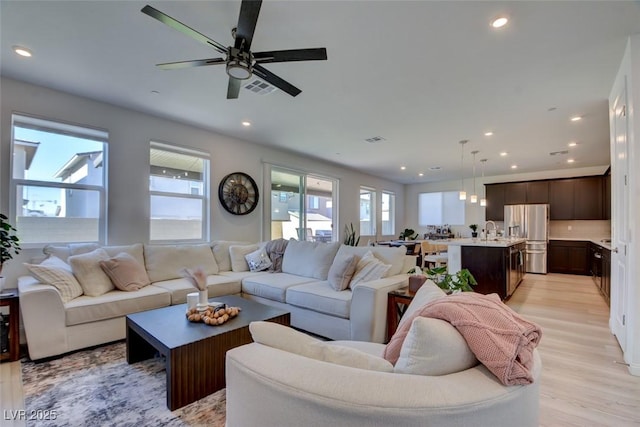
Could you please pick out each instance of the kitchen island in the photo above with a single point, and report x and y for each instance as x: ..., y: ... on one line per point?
x: 496, y: 264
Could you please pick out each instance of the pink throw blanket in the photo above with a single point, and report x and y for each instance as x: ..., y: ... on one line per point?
x: 499, y: 337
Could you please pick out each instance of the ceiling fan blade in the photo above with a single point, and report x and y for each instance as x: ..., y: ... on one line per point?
x: 184, y: 29
x: 249, y: 11
x: 191, y: 64
x: 281, y: 84
x: 233, y: 90
x: 318, y: 54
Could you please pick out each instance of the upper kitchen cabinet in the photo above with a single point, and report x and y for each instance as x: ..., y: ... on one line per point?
x: 588, y: 198
x: 561, y: 193
x: 495, y: 202
x: 607, y: 196
x: 515, y: 193
x: 537, y: 192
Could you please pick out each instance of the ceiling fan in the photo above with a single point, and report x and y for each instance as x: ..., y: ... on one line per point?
x: 240, y: 62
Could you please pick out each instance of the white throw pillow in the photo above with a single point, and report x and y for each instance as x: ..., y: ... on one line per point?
x: 92, y: 278
x: 395, y: 256
x: 309, y: 259
x: 289, y: 340
x: 166, y: 262
x: 428, y: 292
x: 434, y: 347
x: 258, y: 260
x: 57, y: 273
x: 341, y: 271
x: 220, y: 250
x: 238, y: 253
x: 369, y: 268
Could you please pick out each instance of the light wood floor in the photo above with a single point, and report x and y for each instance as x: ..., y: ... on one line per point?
x: 583, y: 380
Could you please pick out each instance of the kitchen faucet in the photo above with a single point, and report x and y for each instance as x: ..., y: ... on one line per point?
x: 486, y: 229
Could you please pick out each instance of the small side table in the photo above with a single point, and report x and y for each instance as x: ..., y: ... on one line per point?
x: 11, y: 298
x: 397, y: 303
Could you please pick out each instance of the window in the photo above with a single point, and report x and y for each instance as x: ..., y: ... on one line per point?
x: 58, y: 180
x: 388, y: 213
x: 367, y: 212
x: 440, y: 208
x: 179, y: 193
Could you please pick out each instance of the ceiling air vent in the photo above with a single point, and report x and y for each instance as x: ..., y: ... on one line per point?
x: 259, y: 87
x: 375, y: 139
x: 555, y: 153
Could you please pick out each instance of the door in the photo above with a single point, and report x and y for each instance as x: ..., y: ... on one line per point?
x: 619, y: 207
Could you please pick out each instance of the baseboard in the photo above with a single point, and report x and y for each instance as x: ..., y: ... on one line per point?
x: 634, y: 369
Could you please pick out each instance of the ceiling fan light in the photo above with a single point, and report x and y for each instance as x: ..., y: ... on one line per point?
x: 238, y: 70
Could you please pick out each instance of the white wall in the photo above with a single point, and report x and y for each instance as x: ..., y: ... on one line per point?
x: 128, y: 151
x: 474, y: 213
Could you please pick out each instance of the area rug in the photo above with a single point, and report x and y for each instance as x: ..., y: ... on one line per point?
x: 97, y: 387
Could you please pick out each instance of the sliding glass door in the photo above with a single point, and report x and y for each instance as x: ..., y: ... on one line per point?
x: 302, y: 206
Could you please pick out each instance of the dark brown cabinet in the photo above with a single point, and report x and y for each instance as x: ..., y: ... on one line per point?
x: 537, y: 192
x: 489, y: 266
x: 607, y: 196
x: 569, y: 257
x: 561, y: 199
x: 495, y: 202
x: 605, y: 283
x: 588, y: 195
x: 515, y: 193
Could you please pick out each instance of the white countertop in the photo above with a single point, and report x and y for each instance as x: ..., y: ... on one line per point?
x: 494, y: 243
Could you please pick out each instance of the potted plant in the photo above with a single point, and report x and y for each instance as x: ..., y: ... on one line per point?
x: 351, y: 238
x: 474, y: 230
x: 408, y: 234
x: 9, y: 242
x: 461, y: 281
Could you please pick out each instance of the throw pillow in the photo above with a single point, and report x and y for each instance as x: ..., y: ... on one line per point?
x: 220, y: 250
x: 341, y: 271
x: 258, y: 260
x: 369, y: 268
x: 434, y: 347
x: 289, y: 340
x: 55, y: 272
x: 125, y: 272
x: 86, y: 267
x: 275, y: 249
x: 428, y: 292
x: 238, y: 253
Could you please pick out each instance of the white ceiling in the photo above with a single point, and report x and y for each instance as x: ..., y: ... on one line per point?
x: 421, y: 74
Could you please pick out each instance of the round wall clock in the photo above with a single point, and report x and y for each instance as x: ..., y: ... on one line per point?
x: 238, y: 193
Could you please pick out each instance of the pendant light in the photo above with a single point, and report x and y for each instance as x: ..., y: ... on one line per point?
x: 474, y: 196
x: 483, y: 201
x: 463, y: 194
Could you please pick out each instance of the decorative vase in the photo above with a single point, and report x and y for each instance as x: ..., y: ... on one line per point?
x: 203, y: 300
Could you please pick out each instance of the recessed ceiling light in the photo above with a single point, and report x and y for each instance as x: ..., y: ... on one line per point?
x: 514, y: 166
x: 420, y: 174
x: 488, y: 133
x: 573, y: 144
x: 576, y: 119
x: 570, y: 160
x: 245, y: 123
x: 22, y: 51
x: 504, y: 153
x: 403, y: 167
x: 499, y: 22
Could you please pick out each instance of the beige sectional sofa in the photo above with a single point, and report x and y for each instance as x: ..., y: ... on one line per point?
x: 53, y: 326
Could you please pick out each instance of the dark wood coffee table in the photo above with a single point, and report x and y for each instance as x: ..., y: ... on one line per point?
x: 194, y: 352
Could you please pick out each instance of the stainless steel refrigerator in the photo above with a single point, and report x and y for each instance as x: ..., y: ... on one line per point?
x: 532, y: 223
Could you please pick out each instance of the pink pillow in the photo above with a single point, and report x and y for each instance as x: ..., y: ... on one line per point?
x: 125, y: 272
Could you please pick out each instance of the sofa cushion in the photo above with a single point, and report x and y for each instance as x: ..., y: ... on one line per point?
x: 271, y: 286
x: 237, y: 253
x: 369, y: 268
x: 320, y: 297
x: 126, y: 272
x: 217, y: 285
x: 388, y: 255
x: 309, y: 259
x: 53, y: 271
x: 164, y: 262
x: 341, y: 271
x: 86, y: 268
x: 114, y: 304
x: 220, y: 250
x: 428, y: 292
x: 434, y: 347
x: 65, y: 251
x: 289, y: 340
x: 258, y: 260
